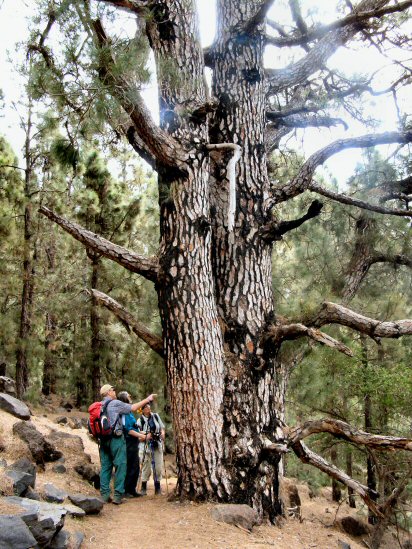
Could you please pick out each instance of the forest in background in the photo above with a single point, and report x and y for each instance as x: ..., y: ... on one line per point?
x: 66, y: 343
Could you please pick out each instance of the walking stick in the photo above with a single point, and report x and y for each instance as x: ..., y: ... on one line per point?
x: 164, y: 466
x: 153, y: 464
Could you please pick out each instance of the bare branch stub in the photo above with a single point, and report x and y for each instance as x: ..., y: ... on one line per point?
x: 286, y: 332
x: 276, y: 229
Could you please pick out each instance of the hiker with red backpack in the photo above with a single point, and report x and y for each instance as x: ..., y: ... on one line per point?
x: 108, y: 429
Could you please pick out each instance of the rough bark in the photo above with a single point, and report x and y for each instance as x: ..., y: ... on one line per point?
x: 242, y: 261
x: 51, y: 332
x: 214, y: 282
x: 191, y: 332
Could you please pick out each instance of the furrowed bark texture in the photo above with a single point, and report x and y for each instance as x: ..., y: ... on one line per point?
x: 242, y: 261
x: 192, y: 336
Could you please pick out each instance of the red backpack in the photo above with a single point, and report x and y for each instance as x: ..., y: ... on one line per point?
x: 98, y: 423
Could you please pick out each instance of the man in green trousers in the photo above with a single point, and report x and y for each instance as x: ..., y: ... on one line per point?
x: 113, y: 450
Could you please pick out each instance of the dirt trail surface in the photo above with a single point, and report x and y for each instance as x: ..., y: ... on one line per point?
x: 155, y: 522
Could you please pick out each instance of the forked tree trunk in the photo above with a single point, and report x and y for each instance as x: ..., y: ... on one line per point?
x: 226, y: 389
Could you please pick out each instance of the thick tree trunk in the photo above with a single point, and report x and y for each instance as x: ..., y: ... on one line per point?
x: 242, y: 263
x: 192, y: 336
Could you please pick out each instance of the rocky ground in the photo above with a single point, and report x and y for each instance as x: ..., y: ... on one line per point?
x: 154, y: 522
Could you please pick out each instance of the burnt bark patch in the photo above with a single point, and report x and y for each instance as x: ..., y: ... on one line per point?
x: 161, y: 16
x: 252, y: 76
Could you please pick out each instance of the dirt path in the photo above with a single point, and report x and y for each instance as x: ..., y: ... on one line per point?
x: 153, y: 522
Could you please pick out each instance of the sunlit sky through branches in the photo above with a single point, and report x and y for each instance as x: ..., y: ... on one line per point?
x: 14, y: 28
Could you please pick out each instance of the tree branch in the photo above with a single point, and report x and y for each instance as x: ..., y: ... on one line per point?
x: 257, y: 19
x: 316, y: 58
x: 154, y: 342
x: 321, y: 31
x: 147, y: 267
x: 163, y: 148
x: 343, y: 430
x: 135, y: 6
x: 345, y: 199
x: 305, y: 121
x: 331, y: 313
x: 282, y: 332
x: 302, y: 181
x: 275, y: 230
x: 307, y: 456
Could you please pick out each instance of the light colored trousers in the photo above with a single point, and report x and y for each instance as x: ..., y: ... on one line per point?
x: 146, y: 460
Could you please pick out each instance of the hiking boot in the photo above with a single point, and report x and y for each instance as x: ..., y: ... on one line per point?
x: 107, y: 499
x: 117, y: 501
x: 158, y: 490
x: 143, y: 490
x: 132, y: 495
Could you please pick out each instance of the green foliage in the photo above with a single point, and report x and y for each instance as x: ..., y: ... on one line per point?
x: 65, y: 153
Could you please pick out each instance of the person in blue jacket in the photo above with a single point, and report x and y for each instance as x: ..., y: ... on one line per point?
x: 132, y: 435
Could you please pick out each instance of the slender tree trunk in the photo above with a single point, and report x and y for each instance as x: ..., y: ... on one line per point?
x: 50, y: 357
x: 370, y: 465
x: 336, y: 486
x: 95, y: 332
x: 349, y: 471
x: 51, y: 333
x: 26, y: 310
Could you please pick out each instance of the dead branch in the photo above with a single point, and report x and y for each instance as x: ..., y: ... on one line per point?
x: 145, y: 266
x: 344, y: 199
x: 309, y: 35
x: 343, y: 430
x: 332, y: 313
x: 307, y: 456
x: 155, y: 342
x: 315, y: 59
x: 283, y: 332
x: 303, y: 180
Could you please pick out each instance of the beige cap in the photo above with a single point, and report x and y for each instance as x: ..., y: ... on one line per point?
x: 105, y: 389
